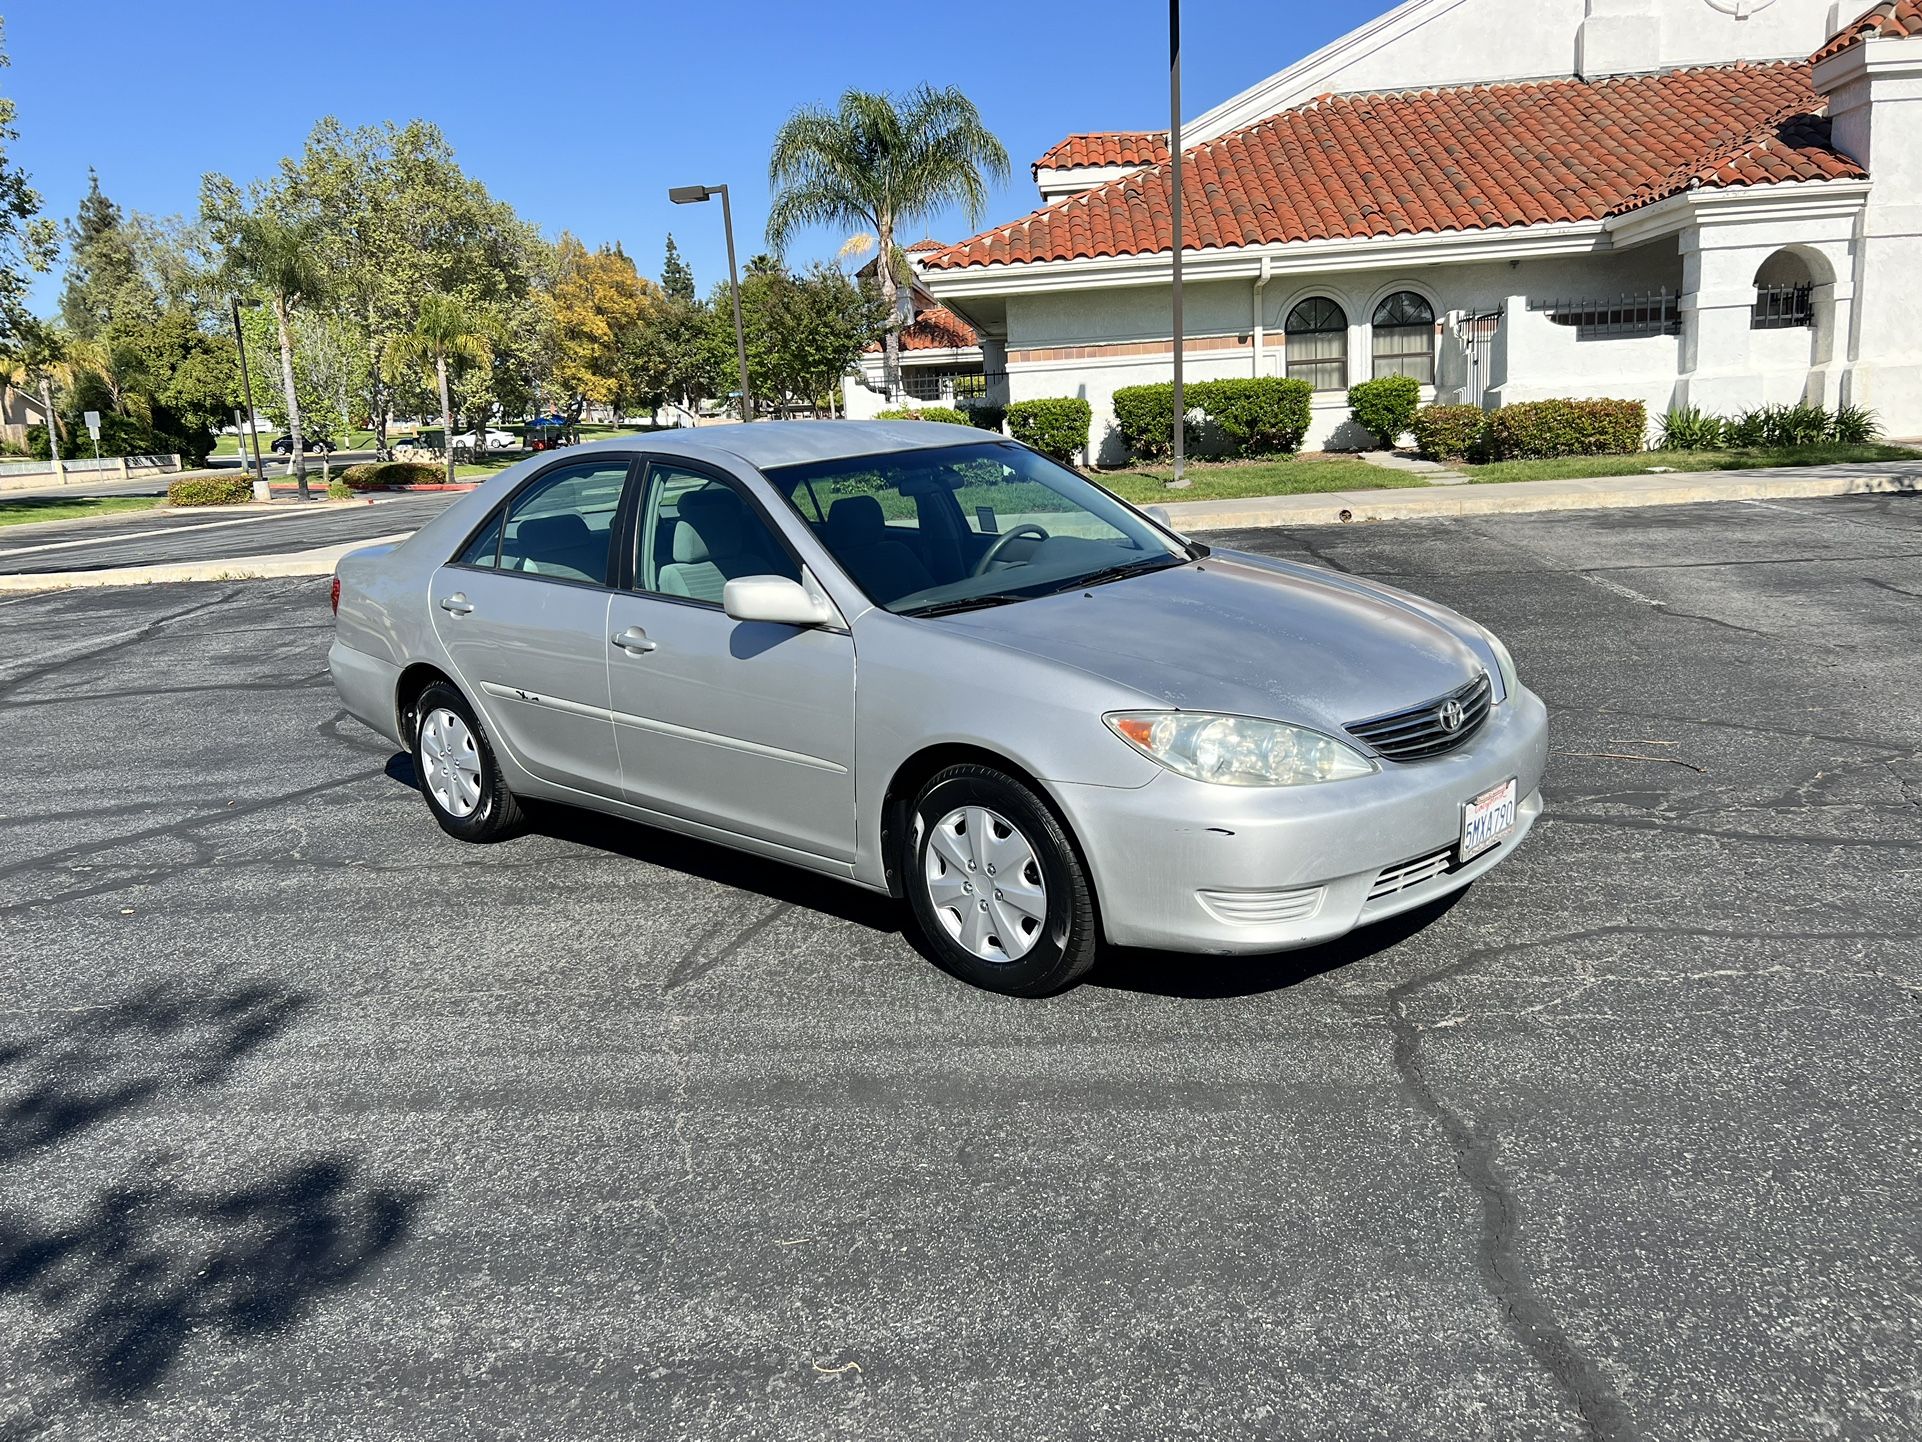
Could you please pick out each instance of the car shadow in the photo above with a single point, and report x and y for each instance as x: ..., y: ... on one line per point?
x: 129, y: 1274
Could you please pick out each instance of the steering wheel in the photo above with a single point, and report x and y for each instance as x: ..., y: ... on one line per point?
x: 1006, y: 539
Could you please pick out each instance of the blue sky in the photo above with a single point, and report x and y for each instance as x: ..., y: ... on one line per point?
x: 581, y: 115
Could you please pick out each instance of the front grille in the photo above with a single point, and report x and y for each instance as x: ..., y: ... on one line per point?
x: 1263, y: 908
x: 1421, y: 731
x: 1412, y: 873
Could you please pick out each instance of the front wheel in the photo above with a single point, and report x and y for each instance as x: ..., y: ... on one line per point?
x: 457, y: 771
x: 996, y: 885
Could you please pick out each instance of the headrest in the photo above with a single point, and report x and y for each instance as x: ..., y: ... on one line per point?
x: 545, y: 537
x: 856, y: 521
x: 712, y: 521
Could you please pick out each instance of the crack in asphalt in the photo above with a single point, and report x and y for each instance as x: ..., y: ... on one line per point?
x: 138, y: 634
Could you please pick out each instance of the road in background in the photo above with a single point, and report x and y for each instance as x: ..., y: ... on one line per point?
x: 316, y: 1124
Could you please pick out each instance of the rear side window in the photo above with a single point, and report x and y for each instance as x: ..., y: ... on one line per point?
x: 562, y: 525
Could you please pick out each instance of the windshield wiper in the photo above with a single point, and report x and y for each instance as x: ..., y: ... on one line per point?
x: 964, y: 603
x: 1140, y: 567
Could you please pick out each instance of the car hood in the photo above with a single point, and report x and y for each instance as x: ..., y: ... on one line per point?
x: 1250, y: 636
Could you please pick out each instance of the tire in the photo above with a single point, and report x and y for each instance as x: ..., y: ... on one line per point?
x: 455, y: 768
x: 1041, y: 955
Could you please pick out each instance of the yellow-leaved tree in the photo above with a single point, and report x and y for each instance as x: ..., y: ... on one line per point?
x: 598, y: 300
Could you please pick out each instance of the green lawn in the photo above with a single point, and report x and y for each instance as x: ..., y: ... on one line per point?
x: 61, y: 508
x: 1647, y: 462
x: 230, y: 445
x: 1228, y: 480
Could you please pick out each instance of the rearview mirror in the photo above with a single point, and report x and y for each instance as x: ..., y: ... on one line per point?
x: 776, y: 599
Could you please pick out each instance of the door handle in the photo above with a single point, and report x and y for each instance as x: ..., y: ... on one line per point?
x: 634, y: 641
x: 456, y: 604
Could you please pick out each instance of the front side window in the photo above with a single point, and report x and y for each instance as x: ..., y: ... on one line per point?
x: 698, y: 533
x: 1318, y: 344
x: 1404, y: 327
x: 560, y: 526
x: 960, y: 527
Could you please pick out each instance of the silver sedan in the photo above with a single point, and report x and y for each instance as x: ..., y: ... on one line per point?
x: 927, y: 661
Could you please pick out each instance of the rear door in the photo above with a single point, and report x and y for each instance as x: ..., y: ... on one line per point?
x: 522, y: 611
x: 741, y: 725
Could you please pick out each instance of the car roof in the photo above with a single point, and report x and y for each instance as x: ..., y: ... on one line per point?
x: 766, y: 444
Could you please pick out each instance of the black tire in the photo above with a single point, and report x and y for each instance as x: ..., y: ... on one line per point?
x: 1069, y: 937
x: 498, y: 813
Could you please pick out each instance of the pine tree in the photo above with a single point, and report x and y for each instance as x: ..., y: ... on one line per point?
x: 676, y: 279
x: 103, y: 269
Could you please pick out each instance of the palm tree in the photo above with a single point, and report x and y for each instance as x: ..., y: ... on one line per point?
x: 280, y: 257
x: 444, y: 329
x: 876, y: 163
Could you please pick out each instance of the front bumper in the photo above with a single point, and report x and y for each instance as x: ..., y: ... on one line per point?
x: 1187, y: 866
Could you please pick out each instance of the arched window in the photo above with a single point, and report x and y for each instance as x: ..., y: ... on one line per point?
x: 1318, y: 343
x: 1405, y: 337
x: 1784, y: 294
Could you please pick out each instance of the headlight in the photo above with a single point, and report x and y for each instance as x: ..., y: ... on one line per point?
x: 1238, y: 750
x: 1505, y: 663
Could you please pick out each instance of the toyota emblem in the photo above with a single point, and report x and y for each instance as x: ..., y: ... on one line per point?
x: 1451, y: 715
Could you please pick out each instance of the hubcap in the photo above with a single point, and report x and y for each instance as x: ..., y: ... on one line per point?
x: 451, y: 758
x: 985, y: 884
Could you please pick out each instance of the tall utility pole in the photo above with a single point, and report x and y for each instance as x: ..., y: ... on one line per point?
x: 1180, y: 481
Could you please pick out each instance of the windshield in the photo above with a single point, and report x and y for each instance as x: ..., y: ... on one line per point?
x: 924, y: 532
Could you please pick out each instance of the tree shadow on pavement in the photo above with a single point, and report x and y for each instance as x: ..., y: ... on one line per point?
x: 129, y: 1273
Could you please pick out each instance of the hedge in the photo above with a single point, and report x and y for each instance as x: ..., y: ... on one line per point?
x: 1385, y: 406
x: 210, y: 491
x: 1449, y: 433
x: 985, y: 417
x: 379, y: 475
x: 1145, y: 416
x: 1541, y: 430
x: 1260, y: 416
x: 1056, y: 426
x: 947, y: 415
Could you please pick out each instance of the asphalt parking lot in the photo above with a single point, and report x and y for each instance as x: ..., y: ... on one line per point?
x: 316, y: 1124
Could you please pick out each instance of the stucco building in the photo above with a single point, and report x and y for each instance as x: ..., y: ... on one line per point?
x: 1706, y: 202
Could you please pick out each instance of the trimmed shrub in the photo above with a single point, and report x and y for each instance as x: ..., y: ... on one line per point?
x: 947, y: 415
x: 1689, y: 428
x: 1542, y: 430
x: 379, y: 475
x: 984, y: 416
x: 1385, y: 406
x: 1056, y: 426
x: 1450, y: 433
x: 1260, y: 416
x: 1145, y: 416
x: 210, y: 491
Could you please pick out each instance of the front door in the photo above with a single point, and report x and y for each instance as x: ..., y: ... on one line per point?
x: 522, y: 612
x: 740, y: 725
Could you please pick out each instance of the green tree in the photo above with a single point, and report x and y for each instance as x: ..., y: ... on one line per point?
x: 104, y: 279
x: 445, y: 329
x: 677, y: 280
x: 879, y: 163
x: 682, y: 354
x: 805, y: 331
x: 277, y: 254
x: 28, y: 240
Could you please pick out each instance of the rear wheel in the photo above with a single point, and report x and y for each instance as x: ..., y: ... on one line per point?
x: 996, y: 885
x: 457, y: 771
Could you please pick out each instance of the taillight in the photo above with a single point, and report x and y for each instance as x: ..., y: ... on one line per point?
x: 333, y: 596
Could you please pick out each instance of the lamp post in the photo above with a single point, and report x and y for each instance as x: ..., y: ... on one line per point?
x: 247, y: 386
x: 694, y: 195
x: 1180, y: 481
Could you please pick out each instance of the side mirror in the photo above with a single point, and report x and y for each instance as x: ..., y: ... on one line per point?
x: 1158, y: 515
x: 778, y: 600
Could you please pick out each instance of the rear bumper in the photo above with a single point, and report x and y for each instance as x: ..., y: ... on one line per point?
x: 1187, y: 866
x: 366, y: 686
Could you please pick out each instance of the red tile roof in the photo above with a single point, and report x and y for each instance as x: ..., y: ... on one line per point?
x: 936, y: 328
x: 1890, y: 20
x: 1107, y: 147
x: 928, y: 243
x: 1466, y: 158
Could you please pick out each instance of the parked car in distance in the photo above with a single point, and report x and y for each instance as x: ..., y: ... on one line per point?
x: 940, y: 666
x: 490, y: 439
x: 312, y: 445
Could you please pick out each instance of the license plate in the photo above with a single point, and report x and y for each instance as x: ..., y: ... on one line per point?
x: 1487, y: 819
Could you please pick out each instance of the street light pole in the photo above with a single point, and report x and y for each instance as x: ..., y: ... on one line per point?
x: 1180, y: 481
x: 694, y: 195
x: 247, y: 387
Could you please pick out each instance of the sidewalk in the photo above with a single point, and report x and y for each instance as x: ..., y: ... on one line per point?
x: 1329, y: 508
x: 319, y: 561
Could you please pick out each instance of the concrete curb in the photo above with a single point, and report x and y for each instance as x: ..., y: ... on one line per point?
x: 1334, y: 508
x: 319, y: 561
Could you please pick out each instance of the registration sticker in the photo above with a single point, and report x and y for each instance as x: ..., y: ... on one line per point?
x: 1487, y: 819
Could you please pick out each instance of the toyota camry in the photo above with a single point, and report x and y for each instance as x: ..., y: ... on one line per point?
x: 925, y: 660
